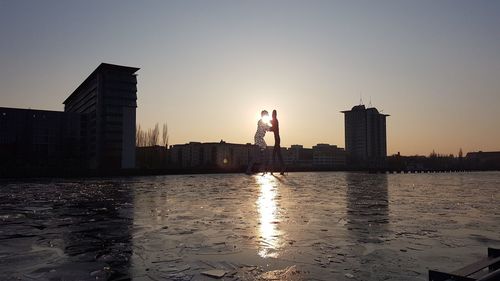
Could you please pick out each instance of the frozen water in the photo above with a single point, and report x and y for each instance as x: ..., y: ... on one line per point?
x: 303, y: 226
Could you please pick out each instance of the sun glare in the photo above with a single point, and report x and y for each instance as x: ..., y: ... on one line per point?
x: 266, y: 119
x: 268, y: 210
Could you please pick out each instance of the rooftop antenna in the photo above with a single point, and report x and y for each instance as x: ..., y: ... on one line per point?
x: 370, y: 104
x: 360, y: 99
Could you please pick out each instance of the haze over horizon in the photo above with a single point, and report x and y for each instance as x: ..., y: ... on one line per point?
x: 209, y: 67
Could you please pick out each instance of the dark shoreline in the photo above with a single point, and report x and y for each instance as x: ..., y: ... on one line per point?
x: 53, y: 173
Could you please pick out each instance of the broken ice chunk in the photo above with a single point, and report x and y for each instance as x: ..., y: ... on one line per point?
x: 216, y: 273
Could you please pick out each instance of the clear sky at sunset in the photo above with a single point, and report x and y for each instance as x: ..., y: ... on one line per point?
x: 209, y: 67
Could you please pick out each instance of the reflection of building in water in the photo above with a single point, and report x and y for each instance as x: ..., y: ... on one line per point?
x: 367, y: 205
x: 270, y: 235
x: 100, y: 228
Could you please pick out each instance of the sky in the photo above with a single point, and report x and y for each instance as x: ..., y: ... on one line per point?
x: 209, y: 67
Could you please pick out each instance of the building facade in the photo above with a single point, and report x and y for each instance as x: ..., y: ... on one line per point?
x: 365, y: 136
x: 107, y: 102
x: 328, y: 156
x: 483, y: 160
x: 95, y: 131
x: 298, y: 156
x: 38, y: 139
x: 222, y: 156
x: 212, y: 155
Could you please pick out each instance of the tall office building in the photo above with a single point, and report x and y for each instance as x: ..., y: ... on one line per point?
x: 95, y: 131
x: 365, y: 136
x: 107, y: 102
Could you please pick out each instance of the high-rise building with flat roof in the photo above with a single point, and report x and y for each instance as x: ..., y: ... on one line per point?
x: 107, y: 101
x: 365, y: 136
x: 95, y: 131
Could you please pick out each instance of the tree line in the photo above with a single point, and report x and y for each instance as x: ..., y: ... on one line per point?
x: 151, y: 136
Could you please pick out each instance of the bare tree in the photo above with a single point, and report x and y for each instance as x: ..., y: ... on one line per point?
x: 139, y: 136
x: 155, y: 135
x: 151, y: 137
x: 164, y: 135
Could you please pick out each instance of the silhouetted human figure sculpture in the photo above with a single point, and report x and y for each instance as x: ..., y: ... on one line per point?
x: 275, y: 127
x: 262, y: 128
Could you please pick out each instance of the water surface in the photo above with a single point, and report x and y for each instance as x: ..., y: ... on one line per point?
x: 302, y: 226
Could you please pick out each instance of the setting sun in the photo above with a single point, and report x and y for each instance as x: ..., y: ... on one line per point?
x: 266, y: 119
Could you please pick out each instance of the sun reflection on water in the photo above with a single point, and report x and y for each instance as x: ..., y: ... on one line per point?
x: 270, y: 235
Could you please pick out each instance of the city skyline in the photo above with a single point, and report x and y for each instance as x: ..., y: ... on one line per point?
x: 209, y: 68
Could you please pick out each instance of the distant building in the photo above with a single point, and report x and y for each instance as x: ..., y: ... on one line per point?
x: 328, y: 156
x: 151, y: 157
x: 365, y: 136
x: 222, y: 156
x: 483, y: 160
x: 298, y: 156
x: 216, y: 155
x: 95, y: 131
